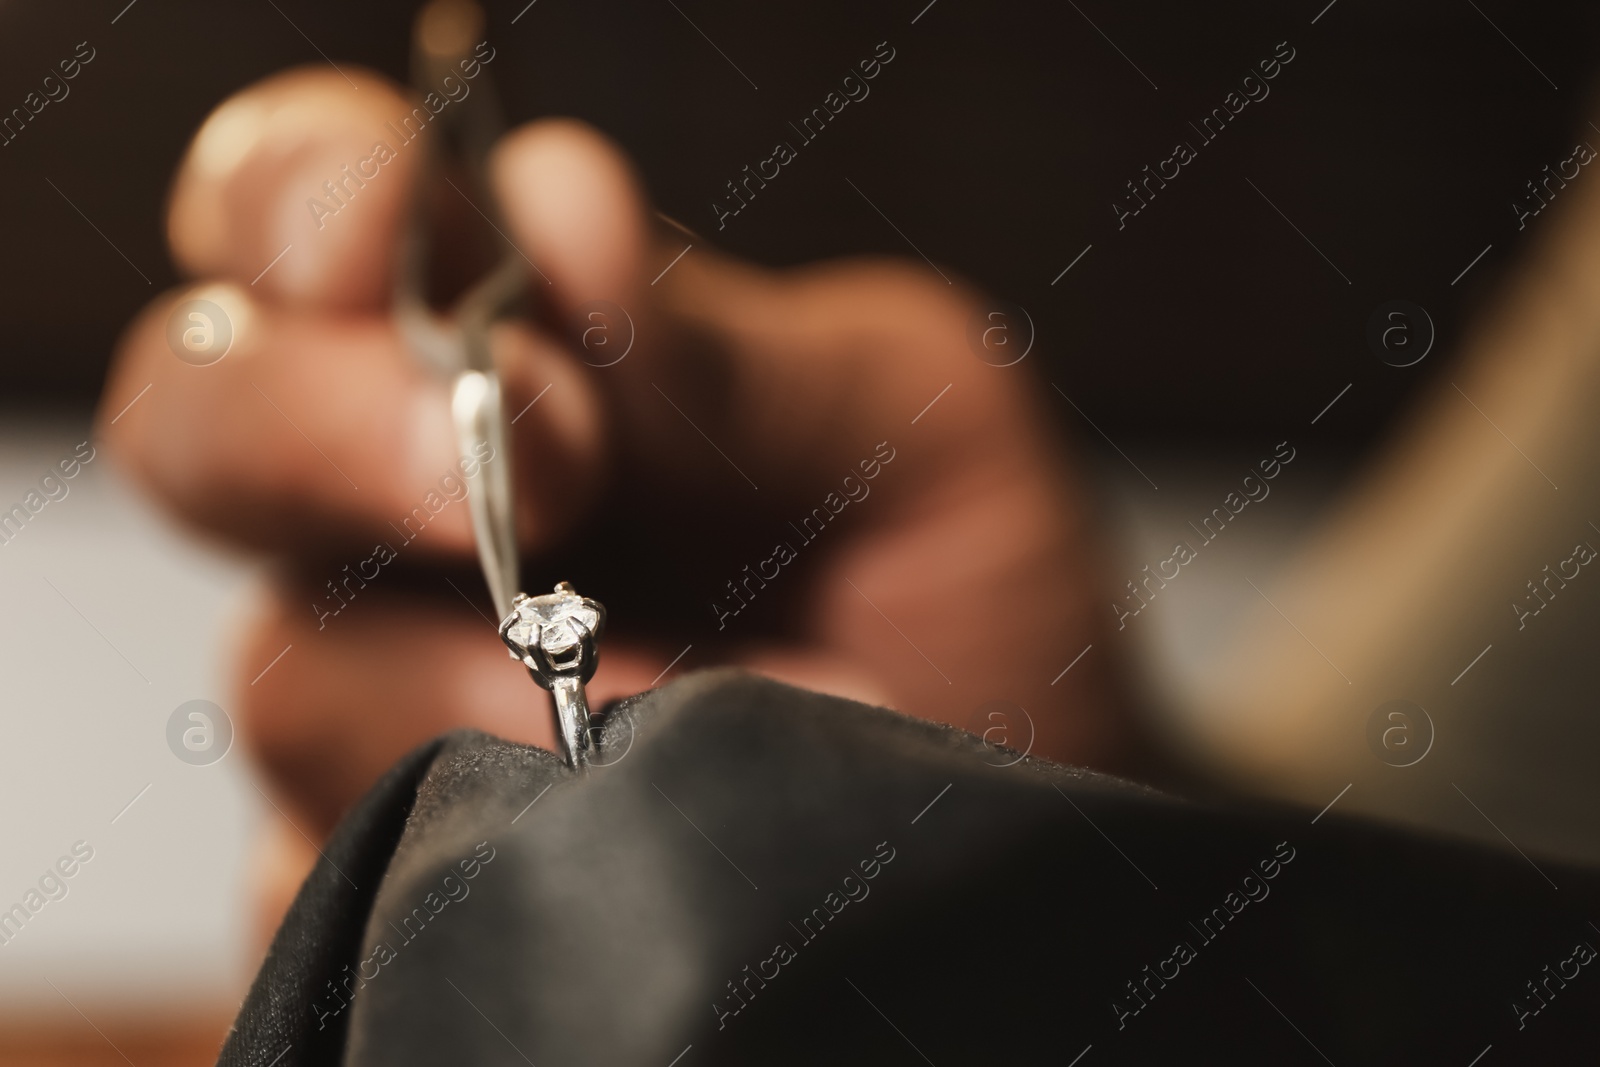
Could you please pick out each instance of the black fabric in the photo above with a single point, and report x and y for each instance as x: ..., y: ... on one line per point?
x: 323, y: 928
x: 761, y: 874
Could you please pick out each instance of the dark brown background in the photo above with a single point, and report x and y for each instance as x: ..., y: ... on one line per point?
x: 996, y: 140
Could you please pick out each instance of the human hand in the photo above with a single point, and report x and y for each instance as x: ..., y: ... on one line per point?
x: 948, y: 559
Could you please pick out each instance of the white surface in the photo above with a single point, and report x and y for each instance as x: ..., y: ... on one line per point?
x: 159, y: 913
x: 1195, y: 616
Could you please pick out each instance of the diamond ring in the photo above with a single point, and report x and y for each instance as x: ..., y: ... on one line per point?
x: 555, y: 637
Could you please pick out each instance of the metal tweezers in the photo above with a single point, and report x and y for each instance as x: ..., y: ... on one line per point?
x: 553, y: 635
x: 456, y: 346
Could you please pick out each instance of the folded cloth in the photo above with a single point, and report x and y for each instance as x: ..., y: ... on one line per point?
x: 754, y: 873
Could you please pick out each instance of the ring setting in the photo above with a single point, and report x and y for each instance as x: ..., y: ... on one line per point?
x: 556, y: 637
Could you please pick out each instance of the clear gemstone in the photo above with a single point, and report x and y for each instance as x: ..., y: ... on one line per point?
x: 548, y: 621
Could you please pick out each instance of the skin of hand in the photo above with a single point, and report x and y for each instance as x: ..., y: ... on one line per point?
x: 970, y: 572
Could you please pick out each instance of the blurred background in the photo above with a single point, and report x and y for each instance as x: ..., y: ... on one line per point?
x: 1191, y: 339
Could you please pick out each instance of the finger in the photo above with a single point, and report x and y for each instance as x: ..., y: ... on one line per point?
x: 831, y: 358
x: 297, y: 186
x: 818, y: 669
x: 573, y: 204
x: 774, y: 363
x: 315, y: 431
